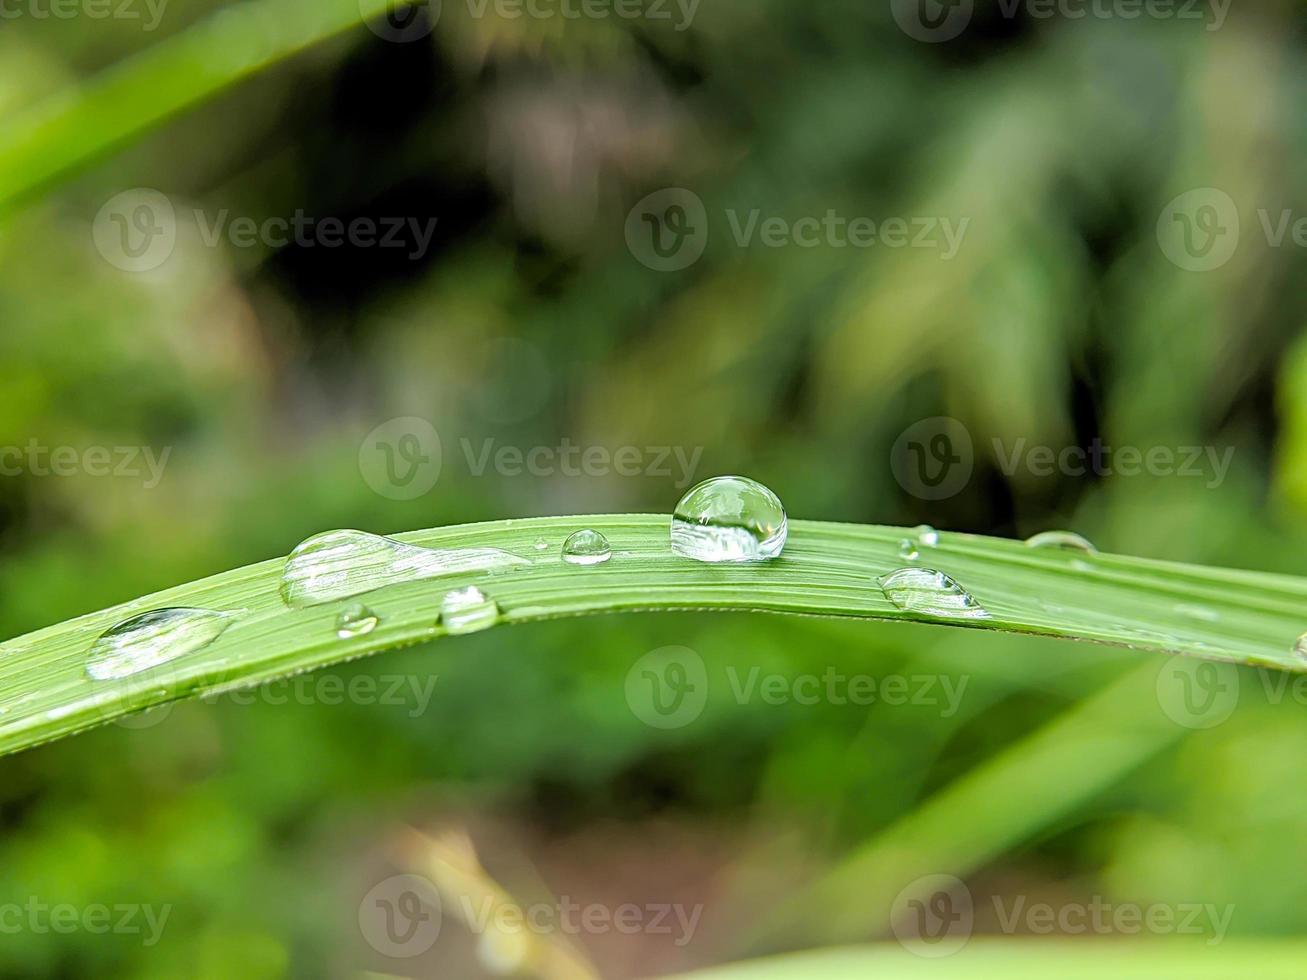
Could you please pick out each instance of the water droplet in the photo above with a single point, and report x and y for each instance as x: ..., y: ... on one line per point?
x: 468, y: 611
x: 356, y: 620
x: 927, y: 536
x: 340, y: 564
x: 908, y: 551
x: 542, y: 544
x: 925, y: 590
x: 1300, y: 648
x: 152, y: 639
x: 586, y: 547
x: 729, y: 518
x: 1066, y: 540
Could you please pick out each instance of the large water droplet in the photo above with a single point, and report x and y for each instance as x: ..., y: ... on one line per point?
x: 152, y: 639
x: 925, y: 590
x: 586, y: 547
x: 1066, y: 540
x: 339, y: 564
x: 468, y: 611
x: 729, y: 518
x: 356, y: 620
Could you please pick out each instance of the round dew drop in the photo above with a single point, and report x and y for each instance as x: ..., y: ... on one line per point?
x: 356, y: 620
x: 468, y: 611
x: 586, y: 547
x: 729, y: 519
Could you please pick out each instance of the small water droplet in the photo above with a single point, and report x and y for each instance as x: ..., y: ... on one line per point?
x: 340, y: 564
x: 1066, y: 540
x: 586, y: 547
x: 356, y: 620
x: 927, y: 536
x: 468, y: 610
x: 908, y: 550
x: 729, y: 518
x: 152, y: 639
x: 542, y: 544
x: 1300, y: 647
x: 925, y: 590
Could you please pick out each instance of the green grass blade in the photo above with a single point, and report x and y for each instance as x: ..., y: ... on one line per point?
x: 75, y: 126
x: 1027, y: 959
x: 826, y: 570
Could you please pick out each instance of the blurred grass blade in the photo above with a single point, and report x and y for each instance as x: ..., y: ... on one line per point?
x: 1027, y: 959
x: 826, y: 570
x: 73, y: 127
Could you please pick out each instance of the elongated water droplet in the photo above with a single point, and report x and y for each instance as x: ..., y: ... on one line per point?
x: 927, y: 536
x: 356, y: 620
x: 1066, y: 540
x: 925, y: 590
x: 152, y: 639
x: 1197, y: 612
x: 586, y: 547
x: 339, y: 564
x: 468, y: 611
x: 729, y: 518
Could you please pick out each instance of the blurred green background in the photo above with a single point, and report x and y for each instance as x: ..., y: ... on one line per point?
x: 534, y: 317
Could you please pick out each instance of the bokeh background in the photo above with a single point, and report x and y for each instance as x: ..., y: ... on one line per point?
x: 535, y: 317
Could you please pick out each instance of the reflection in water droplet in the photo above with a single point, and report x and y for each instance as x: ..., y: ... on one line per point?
x: 586, y: 547
x: 729, y: 519
x: 468, y: 611
x: 1066, y: 540
x: 356, y: 620
x: 152, y: 639
x: 925, y: 590
x: 339, y: 564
